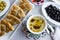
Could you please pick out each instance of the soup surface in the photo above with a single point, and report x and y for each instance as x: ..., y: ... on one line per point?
x: 37, y: 24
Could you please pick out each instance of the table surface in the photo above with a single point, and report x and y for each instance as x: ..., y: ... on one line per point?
x: 18, y: 35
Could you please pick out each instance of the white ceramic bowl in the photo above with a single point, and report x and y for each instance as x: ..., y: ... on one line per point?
x: 33, y: 17
x: 45, y: 13
x: 6, y: 8
x: 57, y: 1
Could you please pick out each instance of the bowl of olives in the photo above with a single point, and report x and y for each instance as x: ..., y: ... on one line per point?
x: 4, y: 5
x: 51, y: 11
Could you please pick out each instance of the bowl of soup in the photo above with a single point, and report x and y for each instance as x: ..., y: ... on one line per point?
x: 36, y: 24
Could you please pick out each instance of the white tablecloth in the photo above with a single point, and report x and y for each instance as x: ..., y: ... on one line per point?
x: 18, y: 35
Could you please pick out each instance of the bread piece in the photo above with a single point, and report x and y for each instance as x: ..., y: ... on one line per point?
x: 12, y: 22
x: 7, y: 30
x: 7, y: 24
x: 14, y: 18
x: 21, y: 13
x: 2, y: 27
x: 29, y: 7
x: 2, y: 33
x: 17, y: 11
x: 25, y: 5
x: 14, y: 9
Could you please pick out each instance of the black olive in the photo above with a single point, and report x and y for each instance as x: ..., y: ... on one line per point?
x: 58, y: 13
x: 49, y: 8
x: 55, y: 8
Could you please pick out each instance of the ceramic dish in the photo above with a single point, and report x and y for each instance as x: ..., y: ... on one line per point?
x: 45, y: 13
x: 8, y: 35
x: 33, y: 16
x: 6, y: 8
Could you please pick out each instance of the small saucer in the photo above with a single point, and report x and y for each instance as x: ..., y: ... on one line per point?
x: 29, y: 35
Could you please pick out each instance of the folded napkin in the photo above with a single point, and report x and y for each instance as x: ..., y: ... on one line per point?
x: 57, y: 34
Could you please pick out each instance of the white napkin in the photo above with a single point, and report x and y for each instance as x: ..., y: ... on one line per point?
x: 57, y: 34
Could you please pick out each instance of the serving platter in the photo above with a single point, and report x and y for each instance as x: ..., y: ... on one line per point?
x: 8, y: 35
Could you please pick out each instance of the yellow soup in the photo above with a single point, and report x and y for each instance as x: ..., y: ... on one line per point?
x: 37, y: 24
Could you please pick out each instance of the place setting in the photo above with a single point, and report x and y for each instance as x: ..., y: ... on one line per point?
x: 33, y: 25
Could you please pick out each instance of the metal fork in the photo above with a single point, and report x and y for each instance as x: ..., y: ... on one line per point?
x: 51, y: 32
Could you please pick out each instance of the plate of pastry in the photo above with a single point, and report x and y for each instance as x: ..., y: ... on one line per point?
x: 4, y: 6
x: 14, y: 17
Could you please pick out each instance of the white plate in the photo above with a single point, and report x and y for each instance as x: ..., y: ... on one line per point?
x: 57, y: 1
x: 8, y: 35
x: 6, y: 8
x: 45, y: 14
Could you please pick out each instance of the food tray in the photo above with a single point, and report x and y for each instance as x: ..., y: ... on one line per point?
x: 8, y: 35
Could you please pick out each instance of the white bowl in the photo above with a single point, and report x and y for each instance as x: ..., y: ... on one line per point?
x: 56, y: 1
x: 6, y: 8
x: 45, y: 13
x: 29, y: 21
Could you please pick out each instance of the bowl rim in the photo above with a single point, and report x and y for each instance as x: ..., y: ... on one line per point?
x: 6, y: 8
x: 56, y: 1
x: 45, y: 14
x: 33, y: 17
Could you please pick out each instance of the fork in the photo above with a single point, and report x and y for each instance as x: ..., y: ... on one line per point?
x: 51, y: 31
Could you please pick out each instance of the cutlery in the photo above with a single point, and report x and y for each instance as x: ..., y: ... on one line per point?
x: 51, y: 32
